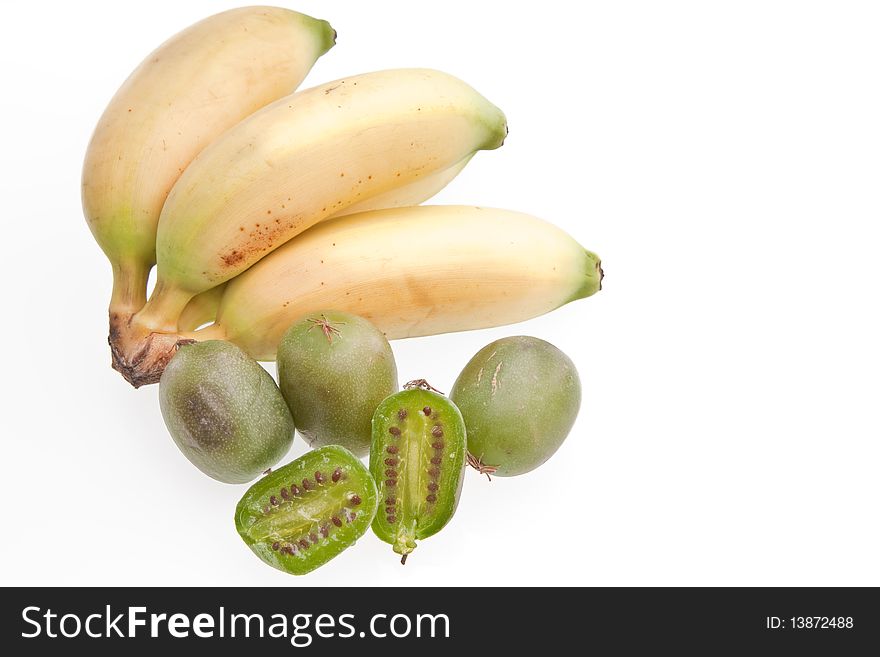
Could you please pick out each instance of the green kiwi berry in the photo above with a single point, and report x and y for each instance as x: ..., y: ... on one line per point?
x: 224, y: 411
x: 417, y: 458
x: 333, y: 369
x: 519, y: 397
x: 305, y: 513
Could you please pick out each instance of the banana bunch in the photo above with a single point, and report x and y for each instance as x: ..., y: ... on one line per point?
x: 259, y: 203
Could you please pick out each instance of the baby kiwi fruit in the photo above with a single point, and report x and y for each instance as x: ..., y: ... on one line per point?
x: 519, y: 397
x: 333, y: 369
x: 224, y: 411
x: 417, y: 458
x: 305, y: 513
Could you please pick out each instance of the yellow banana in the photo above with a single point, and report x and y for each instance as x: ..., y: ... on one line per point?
x: 192, y: 88
x: 411, y: 271
x: 202, y: 309
x: 301, y: 160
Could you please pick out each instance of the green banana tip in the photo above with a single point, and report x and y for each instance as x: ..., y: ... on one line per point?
x: 498, y: 132
x: 330, y: 35
x: 592, y: 278
x: 324, y: 33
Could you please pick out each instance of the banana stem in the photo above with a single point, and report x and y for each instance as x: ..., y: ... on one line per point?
x: 163, y: 310
x: 129, y: 287
x: 142, y: 344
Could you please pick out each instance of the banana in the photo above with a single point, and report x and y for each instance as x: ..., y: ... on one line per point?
x: 191, y: 89
x: 299, y: 161
x: 202, y: 309
x: 411, y: 271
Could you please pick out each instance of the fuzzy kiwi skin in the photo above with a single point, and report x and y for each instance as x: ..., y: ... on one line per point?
x: 519, y: 397
x: 333, y: 369
x: 224, y: 411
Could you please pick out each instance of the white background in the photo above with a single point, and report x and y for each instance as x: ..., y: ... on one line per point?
x: 723, y: 158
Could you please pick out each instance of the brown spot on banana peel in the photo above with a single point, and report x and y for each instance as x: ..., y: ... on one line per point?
x: 261, y: 240
x: 232, y: 258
